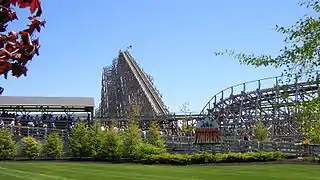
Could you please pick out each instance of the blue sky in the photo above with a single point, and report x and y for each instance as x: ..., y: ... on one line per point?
x: 173, y: 41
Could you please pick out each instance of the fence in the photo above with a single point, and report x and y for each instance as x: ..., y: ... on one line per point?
x: 36, y: 132
x: 186, y: 145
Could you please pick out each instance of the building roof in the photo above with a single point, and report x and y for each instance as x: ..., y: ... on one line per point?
x: 76, y: 102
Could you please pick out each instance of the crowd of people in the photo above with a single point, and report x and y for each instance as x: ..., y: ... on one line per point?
x: 38, y: 121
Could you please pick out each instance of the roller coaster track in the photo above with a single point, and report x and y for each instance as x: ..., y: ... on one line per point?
x: 146, y: 85
x: 237, y: 112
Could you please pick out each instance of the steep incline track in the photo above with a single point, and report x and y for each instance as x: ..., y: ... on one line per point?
x: 152, y: 95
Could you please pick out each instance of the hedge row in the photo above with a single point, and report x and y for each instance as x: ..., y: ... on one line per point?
x: 90, y: 143
x: 84, y: 142
x: 204, y: 158
x: 29, y: 147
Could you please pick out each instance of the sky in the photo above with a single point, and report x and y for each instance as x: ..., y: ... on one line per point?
x: 173, y: 41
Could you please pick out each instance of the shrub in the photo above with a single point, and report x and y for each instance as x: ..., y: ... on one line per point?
x: 111, y: 144
x: 203, y: 158
x: 81, y: 141
x: 146, y: 149
x: 53, y: 146
x: 95, y: 138
x: 261, y: 131
x: 132, y: 141
x: 154, y: 137
x: 8, y: 147
x: 30, y: 147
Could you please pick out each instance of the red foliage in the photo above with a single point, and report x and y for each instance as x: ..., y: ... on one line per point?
x: 18, y: 48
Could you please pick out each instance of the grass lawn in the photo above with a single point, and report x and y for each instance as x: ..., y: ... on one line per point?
x: 96, y: 171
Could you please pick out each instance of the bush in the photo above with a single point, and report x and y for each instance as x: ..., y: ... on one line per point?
x: 146, y: 149
x: 30, y: 147
x: 203, y: 158
x: 111, y: 144
x: 8, y: 147
x: 260, y: 131
x: 154, y: 137
x: 82, y: 141
x: 53, y: 146
x: 95, y: 139
x: 132, y: 141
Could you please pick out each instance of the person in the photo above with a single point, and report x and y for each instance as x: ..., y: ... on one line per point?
x: 1, y: 123
x: 11, y: 125
x: 89, y: 119
x: 30, y: 124
x: 19, y: 127
x: 53, y: 125
x: 246, y: 137
x: 51, y: 119
x: 31, y: 127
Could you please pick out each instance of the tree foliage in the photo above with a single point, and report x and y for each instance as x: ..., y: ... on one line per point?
x: 82, y: 141
x: 185, y: 128
x: 30, y: 147
x: 53, y: 147
x: 134, y: 114
x: 308, y: 115
x: 260, y: 131
x: 132, y: 140
x: 154, y: 136
x: 95, y: 138
x: 112, y: 145
x: 301, y: 52
x: 8, y: 148
x: 146, y: 149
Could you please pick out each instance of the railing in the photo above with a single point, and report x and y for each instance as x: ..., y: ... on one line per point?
x: 37, y: 132
x: 186, y: 145
x: 146, y: 85
x: 152, y: 90
x: 246, y: 87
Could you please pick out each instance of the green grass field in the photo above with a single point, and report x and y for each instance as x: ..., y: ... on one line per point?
x: 96, y: 171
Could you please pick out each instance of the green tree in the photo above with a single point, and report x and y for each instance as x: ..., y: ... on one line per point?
x: 95, y: 138
x: 308, y: 115
x: 260, y: 131
x: 154, y: 136
x: 134, y: 114
x: 30, y: 147
x: 132, y: 139
x: 186, y: 128
x: 301, y: 53
x: 53, y: 147
x: 111, y: 144
x: 80, y: 141
x: 8, y: 148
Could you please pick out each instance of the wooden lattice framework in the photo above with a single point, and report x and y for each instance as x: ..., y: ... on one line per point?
x: 237, y: 112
